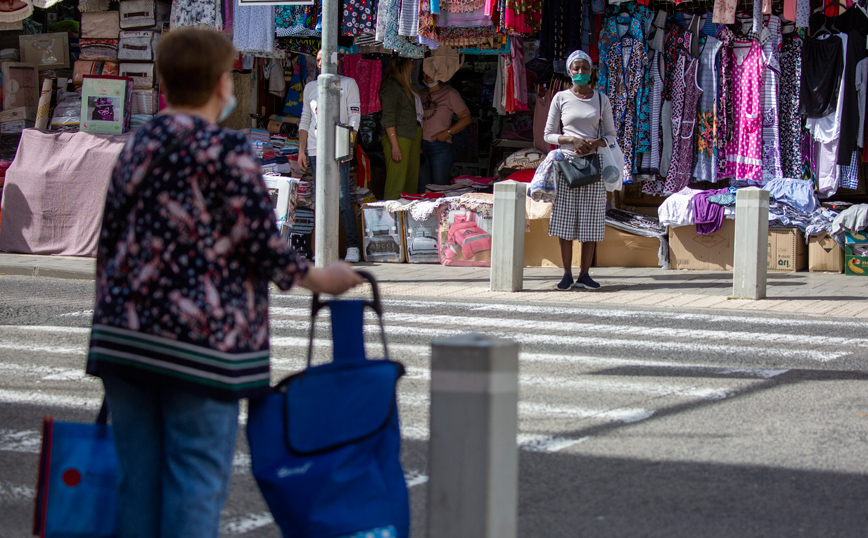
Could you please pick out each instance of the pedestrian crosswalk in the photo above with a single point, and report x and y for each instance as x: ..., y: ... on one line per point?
x: 581, y: 371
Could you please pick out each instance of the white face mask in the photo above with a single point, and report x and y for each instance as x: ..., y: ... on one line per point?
x: 431, y: 85
x: 227, y: 110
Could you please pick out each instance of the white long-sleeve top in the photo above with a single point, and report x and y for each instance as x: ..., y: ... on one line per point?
x: 571, y: 115
x: 351, y: 111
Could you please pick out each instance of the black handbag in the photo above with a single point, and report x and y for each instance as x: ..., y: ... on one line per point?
x: 586, y: 170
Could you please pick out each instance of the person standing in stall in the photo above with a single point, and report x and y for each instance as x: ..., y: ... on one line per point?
x: 440, y: 103
x: 402, y: 120
x: 186, y: 252
x: 350, y: 114
x: 574, y: 124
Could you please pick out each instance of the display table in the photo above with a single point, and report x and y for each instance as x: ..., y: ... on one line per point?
x: 55, y: 190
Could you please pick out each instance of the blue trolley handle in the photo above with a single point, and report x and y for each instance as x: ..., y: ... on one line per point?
x: 374, y: 303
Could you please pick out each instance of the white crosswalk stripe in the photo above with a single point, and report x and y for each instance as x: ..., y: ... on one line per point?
x: 587, y: 371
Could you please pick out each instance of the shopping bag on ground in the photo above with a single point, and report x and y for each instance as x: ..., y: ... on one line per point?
x: 76, y: 491
x: 325, y: 445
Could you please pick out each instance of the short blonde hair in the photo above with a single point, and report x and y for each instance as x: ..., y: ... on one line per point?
x: 190, y: 61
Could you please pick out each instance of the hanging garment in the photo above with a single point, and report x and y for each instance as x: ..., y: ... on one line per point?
x: 193, y: 12
x: 850, y: 174
x: 826, y: 132
x: 706, y: 165
x: 853, y: 23
x: 367, y: 74
x: 253, y: 28
x: 686, y: 94
x: 725, y: 121
x: 540, y: 114
x: 744, y: 157
x: 649, y: 163
x: 790, y: 120
x: 822, y: 69
x: 358, y: 17
x: 627, y: 61
x: 561, y: 30
x: 861, y: 90
x: 724, y: 11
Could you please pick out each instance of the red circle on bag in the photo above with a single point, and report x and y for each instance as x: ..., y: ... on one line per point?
x: 71, y: 477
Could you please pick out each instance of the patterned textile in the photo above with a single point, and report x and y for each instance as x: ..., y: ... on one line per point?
x: 578, y: 214
x: 461, y: 6
x: 850, y: 174
x: 685, y: 97
x: 298, y: 21
x: 803, y: 13
x: 427, y: 21
x: 358, y: 17
x: 771, y: 151
x: 408, y: 20
x: 649, y: 163
x: 790, y: 120
x: 298, y: 75
x: 561, y: 30
x: 367, y: 74
x: 744, y: 155
x: 253, y: 28
x: 182, y: 276
x: 725, y: 121
x: 193, y: 12
x: 468, y: 37
x: 706, y: 154
x: 98, y: 49
x: 724, y: 11
x: 388, y: 15
x: 625, y: 88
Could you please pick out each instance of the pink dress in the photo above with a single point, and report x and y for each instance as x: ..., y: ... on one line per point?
x: 744, y: 154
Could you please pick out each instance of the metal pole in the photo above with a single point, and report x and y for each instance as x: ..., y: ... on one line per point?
x: 750, y: 263
x: 473, y: 458
x: 507, y: 249
x: 328, y: 114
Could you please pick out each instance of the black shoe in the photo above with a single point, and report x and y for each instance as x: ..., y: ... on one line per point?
x: 566, y: 283
x: 585, y: 281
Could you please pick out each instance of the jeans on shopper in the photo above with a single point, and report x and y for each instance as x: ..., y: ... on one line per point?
x: 348, y: 215
x: 437, y: 167
x: 175, y: 452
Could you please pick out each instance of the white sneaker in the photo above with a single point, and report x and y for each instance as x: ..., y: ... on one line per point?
x: 352, y: 255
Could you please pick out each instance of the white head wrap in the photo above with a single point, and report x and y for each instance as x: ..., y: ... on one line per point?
x: 579, y: 55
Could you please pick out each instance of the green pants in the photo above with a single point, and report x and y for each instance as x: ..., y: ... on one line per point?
x: 402, y: 176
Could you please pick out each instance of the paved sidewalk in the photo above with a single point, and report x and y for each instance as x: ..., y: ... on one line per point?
x: 795, y: 293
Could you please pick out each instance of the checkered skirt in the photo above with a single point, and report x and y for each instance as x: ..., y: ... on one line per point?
x: 578, y: 214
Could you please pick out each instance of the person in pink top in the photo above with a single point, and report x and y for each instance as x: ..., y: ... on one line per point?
x: 440, y: 104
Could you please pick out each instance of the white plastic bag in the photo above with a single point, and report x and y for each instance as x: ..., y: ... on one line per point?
x: 612, y: 164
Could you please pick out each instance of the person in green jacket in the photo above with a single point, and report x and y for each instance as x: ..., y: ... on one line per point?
x: 402, y: 120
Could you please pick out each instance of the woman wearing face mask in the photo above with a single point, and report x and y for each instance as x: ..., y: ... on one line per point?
x: 402, y: 120
x: 180, y: 325
x: 574, y: 124
x: 440, y: 103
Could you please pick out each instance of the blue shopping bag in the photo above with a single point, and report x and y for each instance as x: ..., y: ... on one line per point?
x: 76, y: 492
x: 326, y: 445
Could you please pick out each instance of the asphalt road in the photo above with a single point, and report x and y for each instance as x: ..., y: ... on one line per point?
x: 632, y: 422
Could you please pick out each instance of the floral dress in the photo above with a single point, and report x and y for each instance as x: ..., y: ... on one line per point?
x: 705, y: 168
x: 791, y: 121
x: 724, y: 132
x: 626, y: 63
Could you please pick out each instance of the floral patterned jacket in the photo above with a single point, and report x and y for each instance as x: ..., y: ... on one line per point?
x: 187, y: 249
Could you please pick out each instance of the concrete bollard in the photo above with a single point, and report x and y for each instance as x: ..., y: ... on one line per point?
x: 750, y: 263
x: 507, y: 248
x: 473, y: 457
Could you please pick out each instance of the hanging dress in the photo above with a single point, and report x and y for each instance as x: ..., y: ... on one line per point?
x: 705, y: 168
x: 724, y: 131
x: 626, y: 62
x: 769, y: 100
x: 791, y: 121
x: 744, y: 156
x: 649, y: 163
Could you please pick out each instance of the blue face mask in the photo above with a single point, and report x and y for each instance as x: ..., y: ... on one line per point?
x: 582, y: 79
x: 227, y: 110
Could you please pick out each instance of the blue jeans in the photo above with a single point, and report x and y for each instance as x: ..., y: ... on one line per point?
x: 175, y: 453
x: 348, y: 216
x: 438, y: 163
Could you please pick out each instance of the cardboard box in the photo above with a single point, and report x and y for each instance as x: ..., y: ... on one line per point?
x: 788, y: 251
x: 9, y: 127
x: 47, y: 51
x: 19, y: 113
x: 543, y: 250
x: 856, y: 265
x: 382, y: 237
x: 712, y: 252
x: 824, y: 254
x: 623, y: 249
x: 20, y: 85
